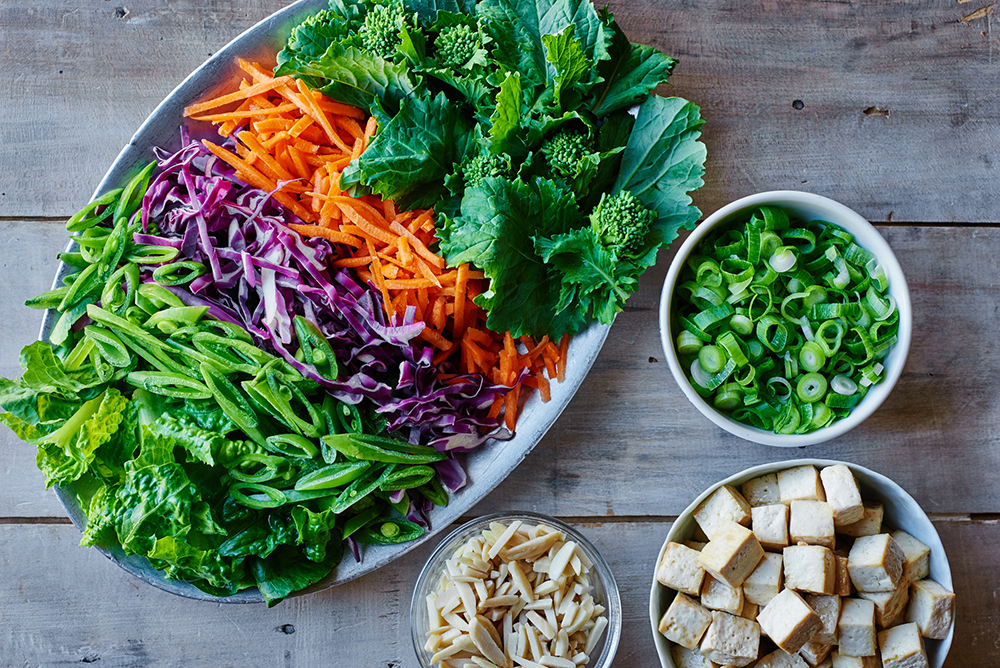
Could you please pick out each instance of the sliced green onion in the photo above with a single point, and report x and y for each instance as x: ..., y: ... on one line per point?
x: 843, y: 385
x: 811, y: 387
x: 712, y: 359
x: 811, y: 356
x: 688, y: 343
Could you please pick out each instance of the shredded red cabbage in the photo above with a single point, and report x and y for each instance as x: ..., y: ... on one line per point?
x: 261, y: 274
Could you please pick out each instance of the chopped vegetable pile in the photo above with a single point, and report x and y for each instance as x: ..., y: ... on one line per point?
x: 783, y: 323
x: 271, y: 343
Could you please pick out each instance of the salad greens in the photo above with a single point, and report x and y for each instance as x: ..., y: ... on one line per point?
x: 513, y: 120
x: 184, y: 439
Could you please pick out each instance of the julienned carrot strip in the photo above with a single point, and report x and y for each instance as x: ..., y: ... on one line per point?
x: 418, y: 245
x: 256, y: 89
x: 249, y: 113
x: 434, y: 337
x: 251, y: 142
x: 332, y: 235
x: 379, y: 280
x: 561, y: 362
x: 460, y: 284
x: 550, y: 366
x: 348, y: 261
x: 362, y: 223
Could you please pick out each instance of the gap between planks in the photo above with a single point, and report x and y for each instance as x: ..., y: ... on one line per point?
x: 981, y: 518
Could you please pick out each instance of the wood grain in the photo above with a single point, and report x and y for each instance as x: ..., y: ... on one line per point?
x: 70, y: 605
x: 77, y: 79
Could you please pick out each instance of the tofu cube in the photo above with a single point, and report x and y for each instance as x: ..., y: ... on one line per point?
x: 815, y: 653
x: 869, y: 525
x: 732, y: 555
x: 731, y: 640
x: 723, y: 506
x: 717, y: 595
x: 789, y: 621
x: 843, y: 494
x: 762, y: 491
x: 685, y: 621
x: 828, y: 609
x: 781, y: 659
x: 889, y: 605
x: 770, y: 525
x: 931, y: 608
x: 680, y: 569
x: 839, y: 660
x: 875, y: 563
x: 809, y: 568
x: 856, y: 628
x: 842, y: 582
x: 916, y: 556
x: 687, y: 658
x: 764, y: 582
x: 902, y: 647
x: 801, y: 483
x: 811, y: 522
x: 750, y: 610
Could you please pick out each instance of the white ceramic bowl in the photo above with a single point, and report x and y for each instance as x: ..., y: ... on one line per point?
x: 901, y: 512
x: 805, y: 206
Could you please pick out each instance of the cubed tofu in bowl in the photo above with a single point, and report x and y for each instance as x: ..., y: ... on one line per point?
x: 914, y: 549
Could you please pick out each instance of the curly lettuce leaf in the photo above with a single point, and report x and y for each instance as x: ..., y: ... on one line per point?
x: 351, y: 75
x: 663, y: 161
x: 65, y: 454
x: 155, y: 502
x: 629, y: 75
x: 181, y: 561
x: 494, y: 231
x: 44, y: 372
x: 594, y: 280
x: 284, y: 572
x: 314, y: 531
x: 409, y: 158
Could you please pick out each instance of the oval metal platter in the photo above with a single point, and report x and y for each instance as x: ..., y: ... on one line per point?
x: 487, y: 466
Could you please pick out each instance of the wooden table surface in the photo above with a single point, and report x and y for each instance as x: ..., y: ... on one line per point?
x: 889, y: 107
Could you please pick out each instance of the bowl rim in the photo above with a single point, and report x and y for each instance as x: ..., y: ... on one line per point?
x: 939, y: 554
x: 897, y: 288
x: 613, y: 606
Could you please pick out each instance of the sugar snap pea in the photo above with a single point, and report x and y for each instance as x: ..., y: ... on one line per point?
x: 382, y: 449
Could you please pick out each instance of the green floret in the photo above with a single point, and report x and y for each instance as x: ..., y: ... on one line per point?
x: 622, y: 223
x: 565, y: 151
x: 380, y: 32
x: 456, y: 45
x: 483, y: 166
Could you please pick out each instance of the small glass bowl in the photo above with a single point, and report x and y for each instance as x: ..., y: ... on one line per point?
x: 605, y: 591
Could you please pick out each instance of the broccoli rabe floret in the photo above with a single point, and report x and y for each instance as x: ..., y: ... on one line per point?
x: 564, y: 151
x: 380, y: 32
x: 456, y: 45
x: 483, y: 166
x: 622, y: 223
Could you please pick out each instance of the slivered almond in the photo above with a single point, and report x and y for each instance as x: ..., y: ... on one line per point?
x: 556, y: 662
x: 504, y: 538
x: 482, y: 634
x: 521, y: 582
x: 561, y: 560
x: 532, y: 548
x: 500, y: 601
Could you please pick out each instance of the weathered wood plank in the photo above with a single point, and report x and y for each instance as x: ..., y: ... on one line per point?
x: 66, y: 605
x: 631, y: 444
x: 79, y: 78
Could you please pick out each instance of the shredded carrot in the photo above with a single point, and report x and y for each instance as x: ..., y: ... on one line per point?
x: 294, y: 143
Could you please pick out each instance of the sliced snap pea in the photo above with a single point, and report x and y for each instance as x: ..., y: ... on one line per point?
x: 315, y: 348
x: 64, y: 325
x: 292, y: 445
x: 361, y: 488
x: 47, y: 300
x: 169, y: 319
x: 389, y: 531
x: 131, y: 197
x: 149, y: 254
x: 113, y: 297
x: 85, y: 217
x: 382, y: 449
x: 179, y: 273
x: 111, y: 347
x: 266, y: 496
x: 434, y: 492
x: 407, y: 478
x: 85, y: 282
x: 270, y: 467
x: 356, y: 522
x: 233, y: 403
x: 169, y: 384
x: 159, y: 296
x: 335, y: 475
